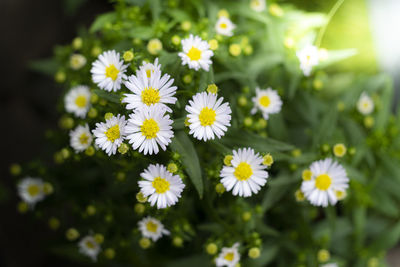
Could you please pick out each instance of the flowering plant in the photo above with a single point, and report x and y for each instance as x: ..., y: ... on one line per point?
x: 215, y: 132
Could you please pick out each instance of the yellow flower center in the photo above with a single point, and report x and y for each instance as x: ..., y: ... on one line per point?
x: 207, y: 116
x: 84, y: 138
x: 112, y: 72
x: 80, y: 101
x: 150, y: 128
x: 243, y: 171
x: 89, y: 245
x: 194, y: 53
x: 223, y: 26
x: 229, y: 256
x: 33, y: 190
x: 161, y: 185
x: 113, y: 133
x: 265, y: 101
x: 151, y: 227
x: 150, y: 96
x: 323, y: 182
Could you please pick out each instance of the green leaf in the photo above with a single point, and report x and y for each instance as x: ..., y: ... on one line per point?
x: 237, y: 138
x: 46, y: 66
x: 387, y: 239
x: 336, y: 56
x: 108, y: 96
x: 155, y: 7
x: 101, y: 20
x: 179, y: 124
x: 181, y: 143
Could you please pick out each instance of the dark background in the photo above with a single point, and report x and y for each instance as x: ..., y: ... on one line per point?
x: 29, y: 31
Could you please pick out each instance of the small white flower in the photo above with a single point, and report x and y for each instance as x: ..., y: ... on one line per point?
x: 228, y: 256
x: 247, y: 173
x: 149, y: 68
x: 224, y: 26
x: 89, y: 247
x: 77, y: 61
x: 327, y: 178
x: 309, y: 57
x: 208, y: 117
x: 108, y: 71
x: 80, y: 138
x: 267, y: 101
x: 31, y: 191
x: 258, y: 5
x: 149, y: 90
x: 111, y: 134
x: 196, y: 53
x: 365, y: 104
x: 148, y: 128
x: 77, y: 101
x: 161, y: 186
x: 152, y: 228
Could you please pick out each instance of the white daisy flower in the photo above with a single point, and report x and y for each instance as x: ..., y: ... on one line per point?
x: 327, y: 178
x: 77, y: 61
x: 148, y: 128
x: 31, y: 190
x: 152, y: 228
x: 247, y: 173
x: 224, y: 26
x: 108, y: 71
x: 111, y: 134
x: 80, y: 138
x: 365, y: 104
x: 207, y: 116
x: 196, y: 53
x: 228, y: 256
x: 77, y: 101
x: 267, y: 101
x: 150, y: 90
x: 258, y: 5
x: 149, y: 68
x: 308, y: 57
x: 89, y: 247
x: 161, y: 186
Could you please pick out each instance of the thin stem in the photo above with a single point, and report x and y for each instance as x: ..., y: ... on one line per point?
x: 330, y: 15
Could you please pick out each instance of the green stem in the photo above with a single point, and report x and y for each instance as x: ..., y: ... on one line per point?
x: 330, y: 15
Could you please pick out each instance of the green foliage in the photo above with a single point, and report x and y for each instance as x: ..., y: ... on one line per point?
x: 318, y: 112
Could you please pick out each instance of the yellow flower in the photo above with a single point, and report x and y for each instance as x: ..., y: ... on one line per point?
x: 223, y: 13
x: 299, y: 195
x: 186, y: 25
x: 144, y: 243
x: 227, y: 160
x: 128, y: 56
x: 235, y: 50
x: 254, y: 253
x: 72, y: 234
x: 275, y: 10
x: 211, y: 248
x: 268, y: 160
x: 212, y: 88
x: 154, y: 46
x: 246, y: 216
x: 306, y: 175
x: 213, y: 43
x: 339, y: 150
x: 323, y: 255
x: 109, y: 253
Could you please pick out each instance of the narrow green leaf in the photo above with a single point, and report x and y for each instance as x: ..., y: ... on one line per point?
x: 101, y: 20
x: 108, y: 96
x: 182, y: 144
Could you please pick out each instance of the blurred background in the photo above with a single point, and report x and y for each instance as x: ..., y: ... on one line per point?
x: 31, y: 29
